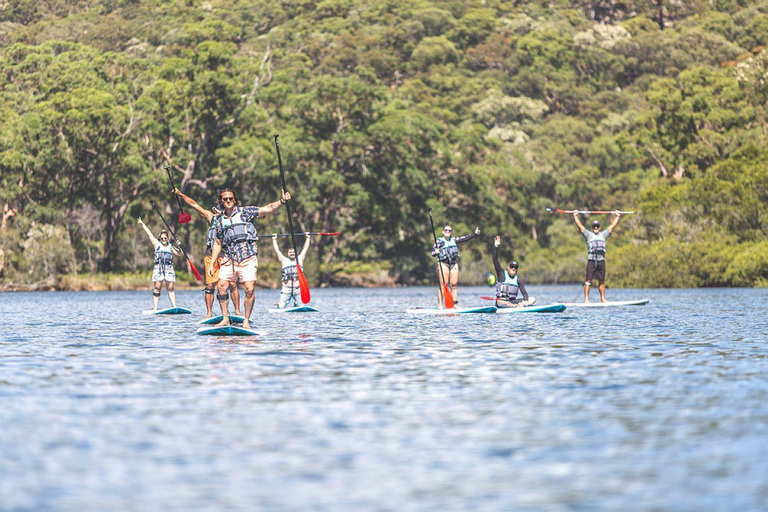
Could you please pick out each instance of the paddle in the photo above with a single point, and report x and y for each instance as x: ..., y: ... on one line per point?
x: 447, y: 297
x: 191, y: 265
x: 303, y: 285
x: 586, y: 212
x: 184, y: 217
x: 299, y: 234
x: 487, y: 297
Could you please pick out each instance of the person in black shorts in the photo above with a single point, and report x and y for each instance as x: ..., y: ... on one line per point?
x: 596, y: 252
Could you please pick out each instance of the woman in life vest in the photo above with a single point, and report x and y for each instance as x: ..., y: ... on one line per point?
x: 163, y: 269
x: 596, y: 252
x: 447, y: 252
x: 508, y: 283
x: 211, y: 216
x: 289, y: 275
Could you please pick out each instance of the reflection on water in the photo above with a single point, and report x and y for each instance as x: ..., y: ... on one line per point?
x: 363, y: 407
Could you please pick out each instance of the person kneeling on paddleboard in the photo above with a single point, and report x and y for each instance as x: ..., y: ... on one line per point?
x: 212, y: 216
x: 447, y: 252
x: 163, y: 269
x: 596, y: 252
x: 236, y: 236
x: 508, y: 283
x: 289, y: 274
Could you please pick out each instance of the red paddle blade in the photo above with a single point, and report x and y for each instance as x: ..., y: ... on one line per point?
x: 447, y: 297
x: 184, y: 217
x: 194, y: 270
x: 303, y: 286
x: 486, y: 297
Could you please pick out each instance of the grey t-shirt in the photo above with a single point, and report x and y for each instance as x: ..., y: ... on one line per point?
x: 596, y: 244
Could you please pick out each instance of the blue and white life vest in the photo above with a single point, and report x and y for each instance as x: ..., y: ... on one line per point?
x: 508, y: 288
x: 164, y: 255
x: 237, y: 231
x: 210, y: 236
x: 449, y: 251
x: 289, y: 272
x: 596, y: 248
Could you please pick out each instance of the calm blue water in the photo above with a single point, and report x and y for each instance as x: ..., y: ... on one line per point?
x: 361, y: 407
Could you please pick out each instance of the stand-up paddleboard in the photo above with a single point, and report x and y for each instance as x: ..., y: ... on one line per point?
x: 216, y: 319
x: 544, y: 308
x: 167, y: 311
x: 295, y: 309
x: 228, y: 330
x: 641, y: 302
x: 452, y: 311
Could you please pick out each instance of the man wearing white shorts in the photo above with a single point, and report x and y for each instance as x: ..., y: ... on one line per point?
x: 236, y: 238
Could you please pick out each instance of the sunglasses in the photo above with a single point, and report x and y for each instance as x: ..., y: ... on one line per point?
x: 227, y: 199
x: 447, y: 231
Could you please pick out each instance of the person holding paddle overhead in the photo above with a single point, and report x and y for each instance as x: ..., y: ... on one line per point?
x: 447, y: 252
x: 163, y: 269
x: 211, y: 216
x: 236, y: 236
x: 289, y: 273
x: 509, y: 283
x: 596, y: 252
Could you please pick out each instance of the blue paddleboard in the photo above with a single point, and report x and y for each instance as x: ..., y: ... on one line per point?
x: 216, y: 319
x: 544, y: 308
x: 167, y: 311
x: 229, y: 330
x: 296, y: 309
x: 452, y: 311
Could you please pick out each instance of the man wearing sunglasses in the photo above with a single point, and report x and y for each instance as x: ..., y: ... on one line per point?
x: 236, y: 236
x: 509, y: 283
x: 596, y: 252
x: 447, y: 252
x: 212, y: 216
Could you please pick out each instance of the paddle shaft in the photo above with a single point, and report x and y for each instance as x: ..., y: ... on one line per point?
x: 588, y: 212
x: 440, y: 267
x: 173, y: 185
x: 299, y: 234
x: 170, y: 230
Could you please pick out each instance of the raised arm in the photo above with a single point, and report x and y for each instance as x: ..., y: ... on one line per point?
x: 467, y: 238
x: 271, y: 207
x: 496, y: 264
x: 276, y: 247
x: 191, y: 202
x: 614, y: 221
x: 578, y: 222
x: 304, y: 249
x: 148, y: 232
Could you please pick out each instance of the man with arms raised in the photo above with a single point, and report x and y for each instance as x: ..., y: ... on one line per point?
x: 236, y: 236
x: 596, y: 253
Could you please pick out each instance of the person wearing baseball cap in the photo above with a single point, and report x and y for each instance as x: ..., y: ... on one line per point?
x: 596, y: 252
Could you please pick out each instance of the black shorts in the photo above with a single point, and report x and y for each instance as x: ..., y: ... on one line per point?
x: 596, y: 271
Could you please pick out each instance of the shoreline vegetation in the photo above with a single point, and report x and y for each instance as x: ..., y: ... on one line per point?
x: 485, y: 113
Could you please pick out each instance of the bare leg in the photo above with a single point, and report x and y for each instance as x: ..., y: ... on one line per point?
x: 587, y: 286
x: 171, y: 293
x: 221, y: 288
x: 453, y: 281
x: 601, y: 289
x: 156, y: 293
x: 442, y: 271
x: 248, y: 286
x: 234, y: 292
x: 209, y: 299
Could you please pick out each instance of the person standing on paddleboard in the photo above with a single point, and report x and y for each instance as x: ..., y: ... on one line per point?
x: 447, y: 252
x: 289, y: 274
x: 508, y: 283
x: 212, y: 216
x: 596, y: 252
x: 163, y: 269
x: 236, y: 236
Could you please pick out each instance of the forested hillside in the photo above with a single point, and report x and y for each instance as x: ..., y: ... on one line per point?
x: 487, y: 112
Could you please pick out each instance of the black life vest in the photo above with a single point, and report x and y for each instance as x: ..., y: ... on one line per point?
x: 508, y: 288
x: 237, y: 231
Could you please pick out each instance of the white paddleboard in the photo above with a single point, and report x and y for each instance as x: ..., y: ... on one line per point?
x: 544, y: 308
x: 167, y: 311
x: 452, y: 311
x: 296, y: 309
x: 216, y: 319
x: 641, y: 302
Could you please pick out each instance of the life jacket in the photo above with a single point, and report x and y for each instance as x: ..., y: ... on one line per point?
x: 596, y: 248
x: 290, y: 272
x: 508, y: 288
x: 210, y: 236
x: 237, y: 231
x: 164, y: 256
x: 449, y: 252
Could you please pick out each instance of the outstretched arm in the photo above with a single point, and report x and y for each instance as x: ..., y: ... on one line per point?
x: 496, y: 264
x: 578, y: 222
x: 191, y: 202
x: 467, y: 238
x: 148, y: 232
x: 271, y: 207
x: 277, y: 250
x: 614, y: 221
x: 304, y: 249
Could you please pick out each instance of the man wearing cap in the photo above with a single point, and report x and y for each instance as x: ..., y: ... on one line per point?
x: 596, y: 252
x: 509, y: 283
